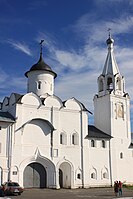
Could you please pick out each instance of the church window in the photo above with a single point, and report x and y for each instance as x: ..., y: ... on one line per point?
x: 93, y: 144
x: 121, y: 155
x: 110, y: 83
x: 105, y: 175
x: 39, y: 85
x: 79, y: 176
x: 118, y: 83
x: 103, y: 144
x: 75, y: 139
x: 93, y: 175
x: 63, y: 139
x: 100, y: 85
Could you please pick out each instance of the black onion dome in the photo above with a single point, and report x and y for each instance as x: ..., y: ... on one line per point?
x: 41, y: 65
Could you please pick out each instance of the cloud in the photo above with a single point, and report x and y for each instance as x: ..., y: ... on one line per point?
x: 21, y: 46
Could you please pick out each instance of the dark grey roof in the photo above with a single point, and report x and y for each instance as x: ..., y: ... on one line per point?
x: 18, y: 97
x: 94, y: 132
x: 6, y: 117
x: 41, y: 65
x: 131, y: 145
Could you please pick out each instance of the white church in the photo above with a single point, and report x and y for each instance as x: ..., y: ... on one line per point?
x: 47, y: 143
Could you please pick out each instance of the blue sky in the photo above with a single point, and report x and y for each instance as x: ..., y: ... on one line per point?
x: 75, y: 33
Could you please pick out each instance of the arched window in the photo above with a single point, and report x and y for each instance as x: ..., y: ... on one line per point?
x: 121, y: 155
x: 101, y: 85
x: 110, y: 84
x: 93, y: 175
x: 75, y: 138
x: 103, y: 144
x: 63, y: 138
x: 93, y: 144
x: 39, y: 85
x: 78, y: 176
x: 104, y: 173
x: 118, y: 83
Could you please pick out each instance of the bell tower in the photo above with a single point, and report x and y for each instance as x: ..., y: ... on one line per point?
x: 112, y: 103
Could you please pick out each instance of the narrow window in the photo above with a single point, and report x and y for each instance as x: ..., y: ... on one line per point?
x: 101, y: 85
x: 75, y: 138
x: 118, y: 84
x: 110, y: 83
x: 104, y: 175
x: 92, y: 143
x: 103, y: 144
x: 78, y: 176
x: 61, y: 139
x: 93, y: 175
x: 121, y: 155
x: 39, y: 85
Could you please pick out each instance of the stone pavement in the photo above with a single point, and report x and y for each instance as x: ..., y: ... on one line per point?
x: 93, y: 193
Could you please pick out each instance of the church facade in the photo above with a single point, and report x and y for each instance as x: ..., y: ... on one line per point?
x: 47, y: 143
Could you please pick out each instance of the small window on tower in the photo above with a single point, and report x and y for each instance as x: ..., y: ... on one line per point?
x: 110, y: 83
x: 121, y: 155
x: 39, y: 85
x: 101, y: 85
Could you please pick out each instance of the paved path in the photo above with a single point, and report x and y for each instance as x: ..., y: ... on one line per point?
x: 93, y: 193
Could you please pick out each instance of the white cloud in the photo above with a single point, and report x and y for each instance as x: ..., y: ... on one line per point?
x: 21, y: 46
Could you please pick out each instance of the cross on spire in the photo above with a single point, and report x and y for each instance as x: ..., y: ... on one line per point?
x: 41, y: 42
x: 109, y: 30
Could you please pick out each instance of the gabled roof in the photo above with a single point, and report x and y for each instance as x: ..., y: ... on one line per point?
x: 94, y: 132
x: 6, y: 117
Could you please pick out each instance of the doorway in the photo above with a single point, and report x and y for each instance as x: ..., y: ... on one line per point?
x: 35, y: 176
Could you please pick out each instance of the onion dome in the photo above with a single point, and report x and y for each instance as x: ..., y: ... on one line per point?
x: 41, y: 65
x: 110, y: 41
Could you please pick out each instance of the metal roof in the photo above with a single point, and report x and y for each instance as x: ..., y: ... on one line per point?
x: 41, y: 65
x: 94, y: 132
x: 6, y: 117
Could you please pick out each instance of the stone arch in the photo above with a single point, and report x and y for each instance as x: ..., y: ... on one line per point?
x: 39, y: 164
x: 65, y: 174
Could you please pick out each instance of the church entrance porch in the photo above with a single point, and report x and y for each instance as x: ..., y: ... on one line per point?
x: 34, y: 176
x: 65, y: 175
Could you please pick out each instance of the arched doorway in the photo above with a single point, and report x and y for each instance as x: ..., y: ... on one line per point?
x: 34, y: 176
x: 65, y: 175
